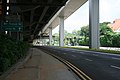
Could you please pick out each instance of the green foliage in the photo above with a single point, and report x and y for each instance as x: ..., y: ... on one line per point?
x: 104, y: 29
x: 10, y: 51
x: 108, y: 37
x: 116, y: 40
x: 85, y: 31
x: 84, y: 42
x: 81, y: 37
x: 56, y: 39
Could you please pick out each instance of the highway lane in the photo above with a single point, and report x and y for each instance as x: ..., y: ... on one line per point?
x: 97, y: 65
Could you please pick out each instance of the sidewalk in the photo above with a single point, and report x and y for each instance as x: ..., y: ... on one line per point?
x: 41, y: 66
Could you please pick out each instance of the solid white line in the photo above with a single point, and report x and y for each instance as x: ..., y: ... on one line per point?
x: 116, y: 58
x: 115, y: 67
x: 88, y: 59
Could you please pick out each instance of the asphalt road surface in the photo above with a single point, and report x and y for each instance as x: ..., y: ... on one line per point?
x: 97, y: 65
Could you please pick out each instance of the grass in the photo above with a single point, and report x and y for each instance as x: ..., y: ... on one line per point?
x: 97, y: 50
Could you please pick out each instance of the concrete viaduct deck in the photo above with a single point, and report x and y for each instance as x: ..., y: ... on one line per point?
x: 40, y: 17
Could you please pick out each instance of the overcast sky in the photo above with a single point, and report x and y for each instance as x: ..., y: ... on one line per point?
x: 109, y: 11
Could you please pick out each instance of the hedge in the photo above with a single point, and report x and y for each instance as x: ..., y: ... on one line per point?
x: 11, y: 51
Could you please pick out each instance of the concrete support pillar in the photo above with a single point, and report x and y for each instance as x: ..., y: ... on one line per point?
x: 14, y: 35
x: 61, y: 31
x: 50, y: 36
x: 94, y: 23
x: 21, y: 36
x: 42, y: 41
x: 9, y: 33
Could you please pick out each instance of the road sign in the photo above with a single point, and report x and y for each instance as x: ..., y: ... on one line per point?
x: 13, y: 29
x: 12, y: 18
x: 12, y: 26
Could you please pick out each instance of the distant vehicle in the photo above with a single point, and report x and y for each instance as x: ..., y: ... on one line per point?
x: 37, y: 42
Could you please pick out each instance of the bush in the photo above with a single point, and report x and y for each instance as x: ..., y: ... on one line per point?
x: 11, y: 51
x: 116, y: 40
x: 110, y: 40
x: 84, y: 42
x: 104, y: 41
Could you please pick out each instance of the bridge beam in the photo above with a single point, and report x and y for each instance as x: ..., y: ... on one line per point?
x: 94, y: 23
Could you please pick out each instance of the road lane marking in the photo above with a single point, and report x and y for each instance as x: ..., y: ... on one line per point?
x: 64, y: 53
x: 95, y: 55
x: 73, y: 51
x: 115, y: 67
x: 81, y: 52
x: 80, y: 73
x: 88, y: 59
x: 66, y: 50
x: 73, y: 55
x: 116, y: 58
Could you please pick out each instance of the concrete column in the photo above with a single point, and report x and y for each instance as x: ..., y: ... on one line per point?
x: 94, y: 23
x: 50, y: 36
x: 21, y: 36
x: 9, y: 33
x: 42, y: 42
x: 61, y: 31
x: 14, y: 35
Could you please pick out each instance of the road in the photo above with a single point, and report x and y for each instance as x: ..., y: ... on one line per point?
x: 97, y: 65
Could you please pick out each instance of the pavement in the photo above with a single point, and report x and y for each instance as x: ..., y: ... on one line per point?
x: 41, y: 66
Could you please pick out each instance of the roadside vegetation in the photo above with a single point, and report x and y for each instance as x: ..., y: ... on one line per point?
x: 108, y: 38
x: 11, y: 51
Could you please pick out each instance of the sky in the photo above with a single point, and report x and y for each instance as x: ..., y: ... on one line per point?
x: 109, y: 11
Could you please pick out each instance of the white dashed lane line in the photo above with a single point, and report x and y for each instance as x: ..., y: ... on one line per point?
x: 116, y: 67
x: 64, y: 53
x: 73, y: 56
x: 66, y: 50
x: 73, y: 51
x: 88, y: 59
x: 95, y: 55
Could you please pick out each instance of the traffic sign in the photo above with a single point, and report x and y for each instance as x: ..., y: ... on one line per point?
x: 12, y: 26
x: 15, y: 18
x: 13, y: 29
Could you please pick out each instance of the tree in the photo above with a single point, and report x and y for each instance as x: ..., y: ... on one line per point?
x: 116, y: 40
x: 56, y: 38
x: 104, y: 29
x: 85, y: 32
x: 106, y: 34
x: 78, y: 32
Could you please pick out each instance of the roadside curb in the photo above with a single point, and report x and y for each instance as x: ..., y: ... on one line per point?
x: 17, y: 65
